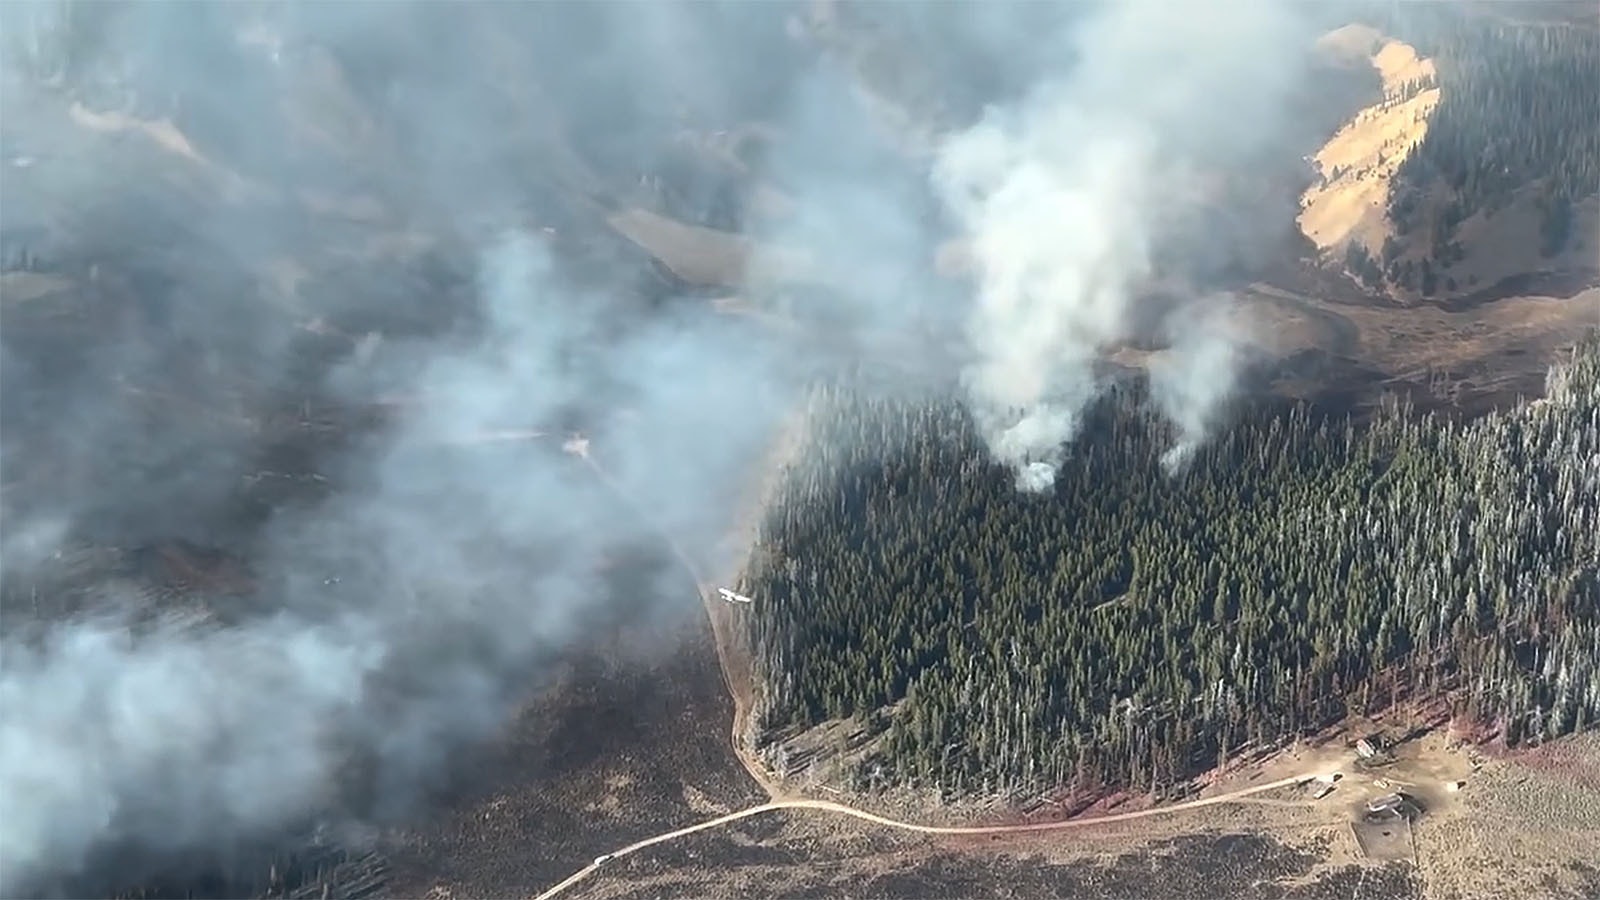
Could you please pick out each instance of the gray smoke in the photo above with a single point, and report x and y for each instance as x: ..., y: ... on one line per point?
x: 1193, y: 381
x: 220, y: 182
x: 407, y: 612
x: 1065, y: 194
x: 407, y: 603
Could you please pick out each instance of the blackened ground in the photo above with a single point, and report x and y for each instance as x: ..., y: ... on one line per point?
x: 615, y: 752
x: 1210, y: 866
x: 623, y: 736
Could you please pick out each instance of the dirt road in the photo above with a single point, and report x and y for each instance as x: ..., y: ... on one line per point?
x: 841, y: 809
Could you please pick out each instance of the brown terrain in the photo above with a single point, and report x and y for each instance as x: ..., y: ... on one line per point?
x: 1280, y: 844
x: 626, y: 745
x: 1356, y: 166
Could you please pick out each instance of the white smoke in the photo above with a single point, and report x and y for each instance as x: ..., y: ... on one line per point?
x: 104, y: 734
x: 1050, y: 200
x: 1191, y: 382
x: 1063, y: 195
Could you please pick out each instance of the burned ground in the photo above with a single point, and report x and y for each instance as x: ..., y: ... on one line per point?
x: 625, y: 739
x: 802, y: 865
x: 617, y: 751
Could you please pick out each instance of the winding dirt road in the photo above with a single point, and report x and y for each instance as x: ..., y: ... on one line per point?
x: 841, y: 809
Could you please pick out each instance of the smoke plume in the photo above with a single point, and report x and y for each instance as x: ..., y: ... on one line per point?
x: 1192, y: 383
x: 255, y: 217
x: 1065, y: 195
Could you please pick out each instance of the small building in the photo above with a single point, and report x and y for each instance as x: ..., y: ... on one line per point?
x: 1385, y: 804
x: 1372, y: 752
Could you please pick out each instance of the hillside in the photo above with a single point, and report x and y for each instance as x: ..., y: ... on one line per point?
x: 1475, y: 173
x: 1400, y: 202
x: 1348, y: 205
x: 381, y: 384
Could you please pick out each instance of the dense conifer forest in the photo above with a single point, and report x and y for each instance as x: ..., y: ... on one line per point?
x: 1134, y: 628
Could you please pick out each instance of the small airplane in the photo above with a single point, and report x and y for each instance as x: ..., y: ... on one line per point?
x: 733, y: 597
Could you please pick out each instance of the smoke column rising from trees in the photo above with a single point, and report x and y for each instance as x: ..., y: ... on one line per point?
x: 1062, y: 194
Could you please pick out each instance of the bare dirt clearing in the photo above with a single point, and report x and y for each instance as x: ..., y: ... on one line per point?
x: 1472, y: 357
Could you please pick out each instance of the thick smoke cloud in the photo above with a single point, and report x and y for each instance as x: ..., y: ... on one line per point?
x: 1065, y: 195
x: 407, y: 610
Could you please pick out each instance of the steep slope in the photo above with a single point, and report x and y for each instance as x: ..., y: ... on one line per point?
x: 1475, y: 173
x: 1348, y: 204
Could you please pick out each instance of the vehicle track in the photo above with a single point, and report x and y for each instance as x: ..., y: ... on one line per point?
x: 863, y: 815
